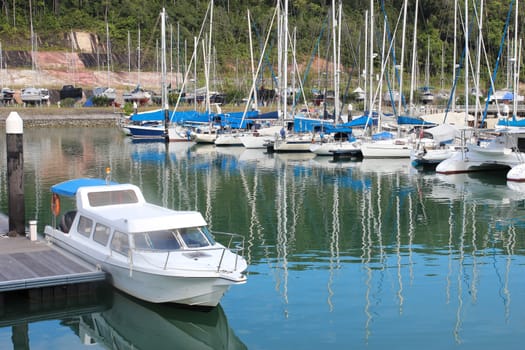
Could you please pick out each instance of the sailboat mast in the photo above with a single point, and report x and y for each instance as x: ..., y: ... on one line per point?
x: 163, y: 69
x: 371, y: 59
x: 279, y: 60
x: 208, y: 65
x: 515, y: 79
x: 251, y: 58
x: 285, y: 59
x: 414, y: 57
x: 453, y: 97
x: 365, y: 62
x: 138, y: 58
x: 478, y: 62
x: 402, y: 56
x: 334, y: 58
x: 467, y: 55
x: 338, y: 71
x: 108, y: 55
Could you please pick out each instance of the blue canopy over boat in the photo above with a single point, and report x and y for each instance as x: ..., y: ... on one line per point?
x: 385, y: 135
x: 174, y: 117
x: 232, y: 119
x: 403, y: 119
x: 69, y: 188
x: 361, y: 122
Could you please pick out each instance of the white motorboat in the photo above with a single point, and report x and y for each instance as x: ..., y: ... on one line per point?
x: 152, y: 253
x: 435, y: 145
x: 489, y: 150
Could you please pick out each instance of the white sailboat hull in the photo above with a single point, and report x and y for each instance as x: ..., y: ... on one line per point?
x: 386, y: 149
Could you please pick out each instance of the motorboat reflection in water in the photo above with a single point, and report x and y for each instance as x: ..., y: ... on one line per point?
x: 152, y: 253
x: 134, y: 324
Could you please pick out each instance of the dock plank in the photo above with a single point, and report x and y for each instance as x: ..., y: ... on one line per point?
x: 26, y: 264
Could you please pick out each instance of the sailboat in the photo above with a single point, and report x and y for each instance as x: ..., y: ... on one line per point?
x: 106, y: 92
x: 426, y: 91
x: 154, y: 127
x: 34, y: 95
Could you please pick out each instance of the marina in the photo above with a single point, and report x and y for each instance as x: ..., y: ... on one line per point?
x: 348, y: 254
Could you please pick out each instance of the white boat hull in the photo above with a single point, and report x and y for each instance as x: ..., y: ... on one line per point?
x: 517, y: 173
x: 322, y: 149
x: 255, y: 142
x: 179, y: 134
x: 386, y: 149
x: 293, y: 143
x: 205, y: 137
x: 431, y: 157
x: 478, y: 159
x: 228, y: 140
x: 183, y: 286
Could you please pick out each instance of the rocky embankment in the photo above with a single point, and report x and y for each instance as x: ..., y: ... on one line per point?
x: 64, y: 117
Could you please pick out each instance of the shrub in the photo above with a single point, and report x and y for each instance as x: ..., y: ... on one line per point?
x: 68, y: 102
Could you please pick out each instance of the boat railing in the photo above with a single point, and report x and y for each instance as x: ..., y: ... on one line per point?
x: 233, y: 242
x: 235, y: 245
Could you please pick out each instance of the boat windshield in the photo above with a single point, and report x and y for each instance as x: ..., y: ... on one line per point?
x: 192, y: 237
x: 196, y: 237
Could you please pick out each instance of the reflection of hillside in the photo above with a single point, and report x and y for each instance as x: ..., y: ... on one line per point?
x: 134, y: 324
x: 63, y: 154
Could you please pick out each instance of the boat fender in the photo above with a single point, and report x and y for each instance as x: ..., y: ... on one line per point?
x: 55, y: 204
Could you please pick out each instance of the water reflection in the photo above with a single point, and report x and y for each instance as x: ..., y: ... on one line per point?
x: 418, y: 255
x: 134, y: 324
x: 114, y: 320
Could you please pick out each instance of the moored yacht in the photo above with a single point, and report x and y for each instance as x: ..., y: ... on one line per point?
x: 489, y: 150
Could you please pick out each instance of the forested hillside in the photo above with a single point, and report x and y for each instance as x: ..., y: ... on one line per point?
x: 52, y: 20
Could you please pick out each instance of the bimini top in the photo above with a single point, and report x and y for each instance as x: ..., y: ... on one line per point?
x: 69, y: 188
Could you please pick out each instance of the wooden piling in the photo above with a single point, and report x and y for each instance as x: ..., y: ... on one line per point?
x: 15, y: 173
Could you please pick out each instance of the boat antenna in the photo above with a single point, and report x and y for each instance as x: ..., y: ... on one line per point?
x: 108, y: 175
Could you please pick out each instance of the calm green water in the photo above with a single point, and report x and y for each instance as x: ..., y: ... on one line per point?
x: 348, y: 255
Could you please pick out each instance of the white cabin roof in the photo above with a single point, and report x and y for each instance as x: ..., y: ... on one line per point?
x: 126, y: 213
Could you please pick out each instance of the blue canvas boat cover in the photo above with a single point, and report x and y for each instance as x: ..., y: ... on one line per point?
x: 412, y: 121
x: 69, y: 188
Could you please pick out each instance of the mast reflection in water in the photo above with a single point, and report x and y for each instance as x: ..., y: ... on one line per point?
x: 348, y: 255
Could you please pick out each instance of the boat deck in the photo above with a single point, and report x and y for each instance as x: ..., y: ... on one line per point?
x: 35, y: 264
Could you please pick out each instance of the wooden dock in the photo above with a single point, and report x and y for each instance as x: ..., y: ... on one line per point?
x: 27, y: 264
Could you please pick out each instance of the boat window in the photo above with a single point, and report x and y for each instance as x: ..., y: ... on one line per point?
x: 98, y: 199
x: 101, y: 234
x: 120, y: 242
x: 208, y: 234
x: 158, y: 240
x: 193, y: 237
x: 84, y: 226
